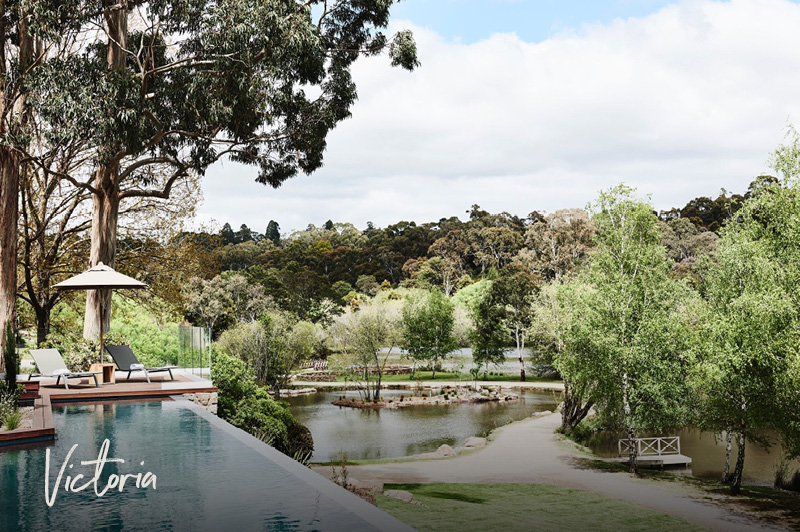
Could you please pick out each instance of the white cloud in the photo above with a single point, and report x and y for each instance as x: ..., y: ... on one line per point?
x: 679, y: 104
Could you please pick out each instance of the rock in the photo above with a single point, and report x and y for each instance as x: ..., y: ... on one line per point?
x: 475, y: 443
x: 405, y: 496
x: 213, y: 409
x: 203, y: 398
x: 445, y: 450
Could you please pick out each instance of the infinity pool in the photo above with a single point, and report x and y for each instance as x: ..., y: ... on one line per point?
x: 210, y: 476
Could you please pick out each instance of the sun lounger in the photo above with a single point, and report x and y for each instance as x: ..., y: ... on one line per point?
x: 127, y: 361
x: 50, y: 364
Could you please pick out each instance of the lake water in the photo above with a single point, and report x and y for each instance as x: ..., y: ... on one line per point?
x: 364, y: 434
x: 708, y: 455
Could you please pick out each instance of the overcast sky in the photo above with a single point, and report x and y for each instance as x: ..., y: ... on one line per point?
x: 537, y: 104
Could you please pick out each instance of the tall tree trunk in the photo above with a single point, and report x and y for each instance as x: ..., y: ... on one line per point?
x: 42, y: 323
x: 12, y: 119
x: 9, y: 210
x: 727, y: 470
x: 736, y: 485
x: 105, y: 205
x: 105, y: 212
x: 633, y: 449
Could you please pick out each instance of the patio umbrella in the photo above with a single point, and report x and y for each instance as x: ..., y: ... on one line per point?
x: 100, y: 277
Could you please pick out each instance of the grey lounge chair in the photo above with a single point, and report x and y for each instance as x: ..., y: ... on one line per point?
x: 50, y: 364
x: 127, y: 361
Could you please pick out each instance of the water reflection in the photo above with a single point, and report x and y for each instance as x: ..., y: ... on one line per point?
x: 707, y: 452
x: 365, y: 434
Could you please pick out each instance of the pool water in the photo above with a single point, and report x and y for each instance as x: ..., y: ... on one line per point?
x: 367, y: 434
x: 210, y: 476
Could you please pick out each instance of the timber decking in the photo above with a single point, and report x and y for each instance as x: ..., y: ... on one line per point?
x: 123, y: 390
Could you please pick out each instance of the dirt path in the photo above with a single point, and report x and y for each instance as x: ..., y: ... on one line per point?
x: 529, y: 452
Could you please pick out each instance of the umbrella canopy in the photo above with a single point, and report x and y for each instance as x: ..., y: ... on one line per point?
x: 100, y: 277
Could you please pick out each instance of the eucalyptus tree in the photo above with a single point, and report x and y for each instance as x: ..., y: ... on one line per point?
x: 632, y: 344
x: 182, y: 84
x: 23, y: 25
x: 557, y: 243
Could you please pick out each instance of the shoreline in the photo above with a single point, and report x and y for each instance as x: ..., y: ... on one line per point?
x: 529, y: 452
x: 536, y: 386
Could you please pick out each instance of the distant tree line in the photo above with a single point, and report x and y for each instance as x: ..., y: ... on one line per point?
x: 312, y: 271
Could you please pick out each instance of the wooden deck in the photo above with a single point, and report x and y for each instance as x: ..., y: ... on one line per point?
x: 666, y: 460
x: 84, y: 390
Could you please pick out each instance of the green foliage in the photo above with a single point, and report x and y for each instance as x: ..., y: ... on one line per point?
x: 153, y: 338
x: 469, y: 296
x: 752, y: 371
x: 427, y: 328
x: 490, y: 335
x: 273, y: 347
x: 628, y: 345
x: 366, y: 284
x: 364, y: 339
x: 9, y: 411
x: 245, y: 404
x: 11, y: 419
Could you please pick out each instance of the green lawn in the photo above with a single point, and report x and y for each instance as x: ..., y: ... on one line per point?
x: 779, y: 506
x: 518, y: 507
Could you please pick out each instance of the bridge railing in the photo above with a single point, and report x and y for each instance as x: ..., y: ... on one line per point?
x: 651, y: 446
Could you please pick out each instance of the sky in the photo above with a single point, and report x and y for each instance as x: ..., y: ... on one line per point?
x: 524, y: 105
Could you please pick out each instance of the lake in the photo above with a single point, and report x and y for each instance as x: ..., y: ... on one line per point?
x: 364, y: 434
x: 708, y: 455
x: 367, y: 434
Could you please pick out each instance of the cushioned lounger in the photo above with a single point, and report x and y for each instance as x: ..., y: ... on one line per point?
x: 50, y: 364
x: 127, y: 361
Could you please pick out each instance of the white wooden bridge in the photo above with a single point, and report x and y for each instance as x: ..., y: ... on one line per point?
x: 660, y: 452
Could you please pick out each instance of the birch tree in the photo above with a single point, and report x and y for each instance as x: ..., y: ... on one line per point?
x: 630, y: 343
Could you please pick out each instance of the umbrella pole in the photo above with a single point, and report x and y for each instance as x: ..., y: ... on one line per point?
x: 102, y: 322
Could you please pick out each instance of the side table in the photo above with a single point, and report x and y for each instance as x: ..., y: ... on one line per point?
x: 109, y: 375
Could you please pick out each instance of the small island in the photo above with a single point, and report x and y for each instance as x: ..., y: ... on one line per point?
x: 445, y: 396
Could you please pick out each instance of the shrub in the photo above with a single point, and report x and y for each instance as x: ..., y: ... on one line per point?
x: 245, y: 404
x: 9, y: 412
x: 12, y: 419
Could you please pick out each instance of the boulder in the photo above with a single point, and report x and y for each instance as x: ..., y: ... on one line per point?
x: 445, y: 450
x: 475, y: 443
x: 405, y: 496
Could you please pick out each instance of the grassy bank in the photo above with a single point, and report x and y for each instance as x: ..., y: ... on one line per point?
x: 518, y: 507
x: 779, y: 506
